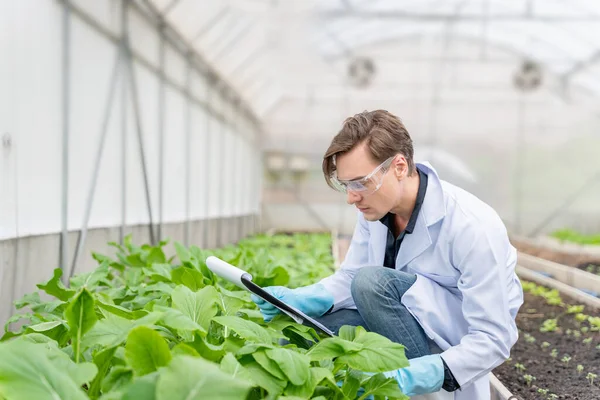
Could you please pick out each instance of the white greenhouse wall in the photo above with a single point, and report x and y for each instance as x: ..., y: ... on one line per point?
x: 220, y: 202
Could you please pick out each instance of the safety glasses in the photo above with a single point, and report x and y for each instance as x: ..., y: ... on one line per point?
x: 364, y: 186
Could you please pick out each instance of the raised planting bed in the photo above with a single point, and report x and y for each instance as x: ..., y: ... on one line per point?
x: 586, y: 261
x: 557, y: 355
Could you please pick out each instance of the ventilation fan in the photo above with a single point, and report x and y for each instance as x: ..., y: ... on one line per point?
x: 528, y: 77
x: 361, y: 71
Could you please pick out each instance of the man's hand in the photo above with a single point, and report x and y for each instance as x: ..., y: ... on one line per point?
x: 423, y: 375
x: 313, y: 300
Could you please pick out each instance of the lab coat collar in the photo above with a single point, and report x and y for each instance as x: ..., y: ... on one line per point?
x: 432, y: 211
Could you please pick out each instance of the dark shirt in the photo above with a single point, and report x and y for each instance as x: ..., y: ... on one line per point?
x: 392, y: 247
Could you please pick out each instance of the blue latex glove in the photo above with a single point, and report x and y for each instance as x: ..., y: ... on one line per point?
x: 313, y: 300
x: 423, y: 375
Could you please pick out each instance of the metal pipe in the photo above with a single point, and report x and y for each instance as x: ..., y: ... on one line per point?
x: 123, y: 126
x: 66, y: 87
x: 187, y: 151
x: 103, y: 131
x: 207, y: 162
x: 161, y: 131
x: 138, y: 125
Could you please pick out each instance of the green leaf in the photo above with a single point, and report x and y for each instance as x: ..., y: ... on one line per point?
x: 200, y: 306
x: 142, y: 388
x: 177, y: 320
x: 379, y: 354
x: 135, y: 260
x: 333, y: 347
x: 379, y: 385
x: 245, y: 329
x: 81, y: 316
x: 90, y: 279
x: 146, y: 350
x: 54, y: 287
x: 184, y: 349
x: 188, y: 277
x: 207, y: 350
x: 182, y: 253
x: 30, y: 299
x: 118, y: 377
x: 102, y: 359
x: 351, y: 383
x: 120, y: 311
x: 256, y: 373
x: 347, y: 332
x: 190, y: 378
x: 28, y: 373
x: 113, y: 330
x: 269, y: 365
x: 56, y: 330
x: 160, y: 272
x: 156, y: 256
x: 293, y: 364
x: 306, y: 390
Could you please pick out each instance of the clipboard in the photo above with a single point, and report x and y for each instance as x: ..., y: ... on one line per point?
x: 243, y: 280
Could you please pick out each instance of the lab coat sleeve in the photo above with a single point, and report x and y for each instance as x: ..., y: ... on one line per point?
x: 480, y: 253
x: 357, y: 256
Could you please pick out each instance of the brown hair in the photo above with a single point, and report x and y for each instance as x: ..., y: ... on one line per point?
x: 383, y: 133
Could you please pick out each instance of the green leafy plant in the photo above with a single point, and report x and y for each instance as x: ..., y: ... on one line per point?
x: 549, y: 325
x: 566, y: 360
x: 579, y: 369
x: 590, y: 377
x: 145, y: 324
x: 545, y: 345
x: 520, y: 367
x: 554, y: 353
x: 588, y: 341
x: 529, y: 338
x: 553, y: 396
x: 528, y: 379
x: 543, y: 392
x: 584, y: 329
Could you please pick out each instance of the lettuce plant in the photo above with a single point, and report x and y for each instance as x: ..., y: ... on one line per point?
x: 147, y: 326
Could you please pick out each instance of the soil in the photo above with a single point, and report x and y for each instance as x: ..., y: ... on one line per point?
x: 552, y: 373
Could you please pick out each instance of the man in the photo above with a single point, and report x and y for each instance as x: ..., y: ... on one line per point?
x: 429, y: 266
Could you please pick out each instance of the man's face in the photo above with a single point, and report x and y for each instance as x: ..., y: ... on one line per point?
x: 358, y: 163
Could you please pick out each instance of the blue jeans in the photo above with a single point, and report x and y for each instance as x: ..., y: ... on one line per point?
x: 377, y: 292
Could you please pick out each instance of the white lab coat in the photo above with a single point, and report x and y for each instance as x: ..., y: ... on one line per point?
x: 466, y: 295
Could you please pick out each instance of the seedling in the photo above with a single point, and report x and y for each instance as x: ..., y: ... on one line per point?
x: 575, y: 309
x: 598, y: 347
x: 588, y: 341
x: 576, y: 334
x: 549, y: 325
x: 529, y: 338
x: 554, y: 353
x: 543, y: 392
x: 545, y: 345
x: 568, y: 332
x: 581, y: 317
x: 520, y: 367
x: 595, y: 323
x: 528, y: 379
x: 590, y: 377
x: 566, y: 360
x: 553, y: 396
x: 584, y: 329
x: 579, y: 369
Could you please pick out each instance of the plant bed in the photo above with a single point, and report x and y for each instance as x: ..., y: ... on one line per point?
x: 147, y: 326
x: 557, y: 355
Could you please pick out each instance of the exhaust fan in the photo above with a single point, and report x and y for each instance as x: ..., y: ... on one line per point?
x: 361, y: 71
x: 528, y: 77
